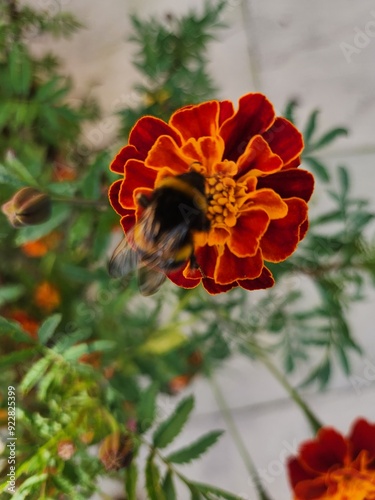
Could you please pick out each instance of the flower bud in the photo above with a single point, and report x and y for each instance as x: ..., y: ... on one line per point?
x: 27, y: 207
x: 116, y: 451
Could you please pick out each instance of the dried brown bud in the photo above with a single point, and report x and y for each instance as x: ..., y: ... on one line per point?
x: 27, y: 207
x: 116, y: 451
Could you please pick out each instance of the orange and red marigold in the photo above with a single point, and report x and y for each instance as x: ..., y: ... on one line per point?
x: 332, y: 467
x: 257, y: 195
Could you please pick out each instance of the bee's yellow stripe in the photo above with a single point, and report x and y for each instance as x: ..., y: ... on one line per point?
x: 180, y: 185
x: 183, y: 253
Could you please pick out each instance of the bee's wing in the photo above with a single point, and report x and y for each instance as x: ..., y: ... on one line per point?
x: 149, y: 280
x: 124, y: 260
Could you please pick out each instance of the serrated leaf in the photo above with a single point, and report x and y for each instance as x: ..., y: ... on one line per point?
x: 16, y: 357
x: 168, y: 487
x: 318, y: 168
x: 146, y: 408
x: 196, y: 449
x: 173, y: 425
x: 48, y: 328
x: 163, y: 342
x: 329, y: 137
x: 153, y: 486
x: 34, y: 374
x: 131, y: 477
x: 77, y: 351
x: 311, y: 125
x: 218, y: 492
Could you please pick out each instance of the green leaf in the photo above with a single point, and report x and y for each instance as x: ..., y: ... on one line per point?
x: 48, y: 328
x: 153, y: 486
x: 289, y: 112
x: 10, y: 293
x: 320, y: 374
x: 35, y: 373
x: 163, y: 342
x: 173, y: 425
x: 318, y: 168
x: 20, y: 70
x: 218, y: 492
x: 14, y: 330
x: 168, y: 487
x: 131, y: 476
x: 24, y: 488
x: 31, y: 233
x: 343, y: 358
x: 311, y: 125
x: 146, y: 408
x: 344, y: 181
x: 16, y: 357
x: 329, y: 137
x: 196, y: 449
x: 77, y: 351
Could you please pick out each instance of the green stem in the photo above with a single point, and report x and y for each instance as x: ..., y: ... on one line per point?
x: 228, y: 417
x: 81, y: 202
x: 314, y: 422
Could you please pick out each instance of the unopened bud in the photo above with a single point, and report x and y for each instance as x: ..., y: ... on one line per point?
x: 116, y: 451
x: 27, y: 207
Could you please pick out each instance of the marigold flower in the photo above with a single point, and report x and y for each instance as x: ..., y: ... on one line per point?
x: 40, y: 247
x: 332, y: 467
x: 257, y: 195
x: 29, y: 324
x: 116, y: 451
x: 47, y: 297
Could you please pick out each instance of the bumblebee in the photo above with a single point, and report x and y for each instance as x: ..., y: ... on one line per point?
x: 162, y: 239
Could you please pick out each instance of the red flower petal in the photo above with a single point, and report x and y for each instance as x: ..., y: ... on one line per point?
x: 289, y: 183
x: 284, y: 139
x: 265, y: 280
x: 246, y: 235
x: 128, y: 222
x: 135, y: 170
x: 327, y: 451
x: 362, y: 437
x: 206, y: 258
x: 125, y: 154
x: 147, y: 130
x: 179, y: 279
x: 113, y: 195
x: 283, y: 235
x: 166, y: 152
x: 230, y: 268
x: 214, y: 288
x: 226, y: 111
x: 297, y: 472
x: 314, y: 490
x: 197, y: 121
x: 258, y: 156
x: 254, y: 116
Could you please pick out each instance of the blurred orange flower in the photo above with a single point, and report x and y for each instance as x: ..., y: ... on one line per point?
x: 47, y: 297
x: 332, y: 467
x: 257, y: 197
x: 29, y: 324
x: 38, y: 248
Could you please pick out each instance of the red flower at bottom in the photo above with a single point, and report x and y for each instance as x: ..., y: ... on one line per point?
x: 332, y: 467
x: 257, y: 197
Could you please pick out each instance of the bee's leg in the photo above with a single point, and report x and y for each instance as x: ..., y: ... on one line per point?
x: 143, y: 201
x: 194, y: 265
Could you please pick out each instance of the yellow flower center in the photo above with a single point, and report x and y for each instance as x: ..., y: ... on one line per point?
x: 353, y: 484
x: 224, y: 199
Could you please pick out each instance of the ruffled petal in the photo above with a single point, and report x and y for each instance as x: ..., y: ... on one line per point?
x: 258, y: 158
x: 284, y: 139
x: 207, y: 151
x: 166, y: 153
x: 206, y: 258
x: 265, y: 280
x: 179, y: 279
x: 247, y: 233
x: 267, y: 200
x: 297, y: 473
x: 147, y: 130
x: 113, y: 196
x: 135, y: 170
x: 314, y: 489
x: 197, y: 121
x: 226, y: 111
x: 325, y: 452
x: 128, y: 222
x: 362, y: 437
x: 289, y: 183
x: 214, y: 288
x: 254, y: 116
x: 230, y: 268
x: 283, y: 235
x: 125, y: 154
